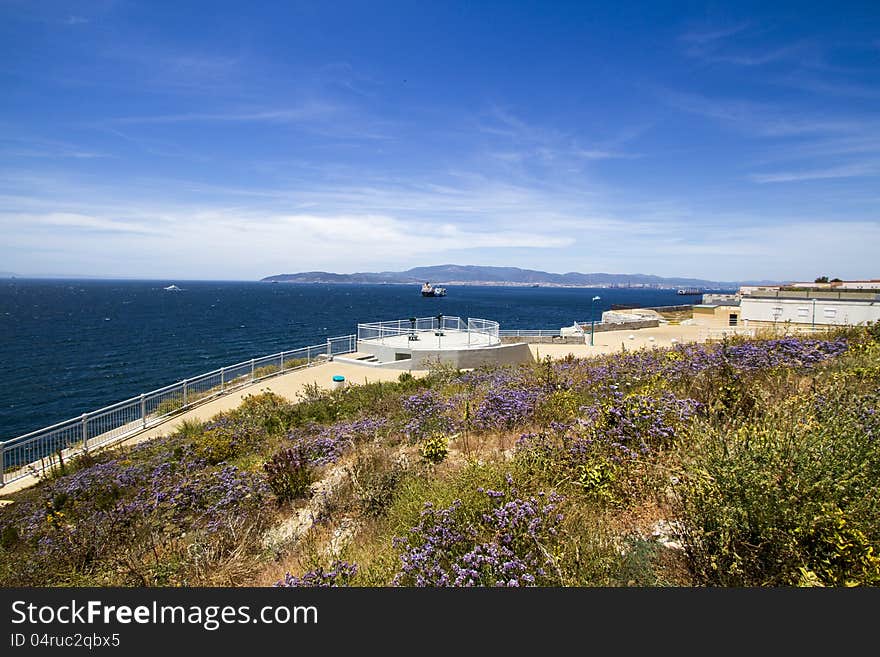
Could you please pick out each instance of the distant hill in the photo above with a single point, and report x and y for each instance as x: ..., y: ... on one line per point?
x: 476, y: 275
x: 7, y: 274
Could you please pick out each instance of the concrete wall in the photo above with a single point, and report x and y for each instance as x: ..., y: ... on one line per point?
x: 716, y: 316
x: 828, y: 312
x: 625, y: 316
x: 670, y: 309
x: 544, y: 339
x: 624, y: 326
x: 841, y: 295
x: 601, y: 327
x: 502, y: 354
x: 625, y: 308
x: 721, y: 299
x: 841, y: 285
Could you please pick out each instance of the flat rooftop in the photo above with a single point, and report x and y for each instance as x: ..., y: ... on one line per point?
x: 451, y: 339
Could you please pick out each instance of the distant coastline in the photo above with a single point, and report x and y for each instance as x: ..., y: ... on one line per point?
x: 616, y: 286
x: 508, y: 276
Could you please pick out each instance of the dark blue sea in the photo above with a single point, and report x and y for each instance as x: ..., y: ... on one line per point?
x: 70, y: 346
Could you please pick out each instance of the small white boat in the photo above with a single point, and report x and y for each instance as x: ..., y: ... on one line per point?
x: 172, y: 288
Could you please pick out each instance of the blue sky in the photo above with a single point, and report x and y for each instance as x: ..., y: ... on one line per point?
x: 237, y: 140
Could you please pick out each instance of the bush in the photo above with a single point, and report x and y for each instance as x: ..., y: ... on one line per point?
x: 168, y: 406
x: 289, y: 473
x: 227, y: 436
x: 340, y: 573
x: 427, y: 413
x: 374, y: 482
x: 503, y: 540
x: 434, y: 448
x: 766, y: 503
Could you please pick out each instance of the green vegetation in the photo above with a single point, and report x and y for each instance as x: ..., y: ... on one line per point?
x: 742, y: 463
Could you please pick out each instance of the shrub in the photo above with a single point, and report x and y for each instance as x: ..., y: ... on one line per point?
x: 636, y: 424
x: 227, y: 436
x: 293, y: 363
x: 506, y: 540
x: 374, y: 482
x: 131, y: 519
x: 169, y: 405
x: 764, y: 503
x: 559, y: 406
x: 266, y: 370
x: 426, y: 414
x: 340, y: 573
x: 506, y: 408
x: 289, y: 472
x: 434, y: 448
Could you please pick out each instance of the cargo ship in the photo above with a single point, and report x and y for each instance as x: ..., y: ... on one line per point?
x: 429, y: 290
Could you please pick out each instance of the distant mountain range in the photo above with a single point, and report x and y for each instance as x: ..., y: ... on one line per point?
x: 475, y: 275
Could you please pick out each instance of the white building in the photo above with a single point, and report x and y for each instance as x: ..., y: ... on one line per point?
x: 873, y: 284
x: 810, y: 307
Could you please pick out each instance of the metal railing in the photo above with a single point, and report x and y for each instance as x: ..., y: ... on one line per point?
x: 484, y: 327
x: 531, y: 333
x: 379, y: 331
x: 37, y: 451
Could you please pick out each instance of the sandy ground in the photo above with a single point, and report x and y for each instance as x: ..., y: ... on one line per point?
x: 607, y: 342
x: 289, y: 385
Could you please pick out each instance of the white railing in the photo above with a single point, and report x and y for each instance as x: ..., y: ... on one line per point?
x: 484, y: 327
x: 379, y: 331
x: 531, y: 333
x: 34, y: 452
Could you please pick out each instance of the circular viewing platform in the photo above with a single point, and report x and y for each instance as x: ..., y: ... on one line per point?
x: 430, y: 333
x: 413, y: 342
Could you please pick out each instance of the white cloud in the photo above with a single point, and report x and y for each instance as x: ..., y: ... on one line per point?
x: 762, y: 119
x: 306, y: 112
x: 711, y: 34
x: 70, y: 220
x: 848, y: 171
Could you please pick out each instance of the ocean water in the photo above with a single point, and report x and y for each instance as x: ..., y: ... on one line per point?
x: 70, y: 346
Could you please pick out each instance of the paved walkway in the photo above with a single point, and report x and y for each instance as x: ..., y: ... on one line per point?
x: 287, y: 385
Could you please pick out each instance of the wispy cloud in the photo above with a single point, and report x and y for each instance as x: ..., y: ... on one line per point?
x: 76, y: 20
x: 37, y: 153
x: 304, y: 113
x: 324, y: 118
x: 832, y: 89
x: 736, y: 45
x: 29, y: 147
x: 826, y: 149
x: 520, y: 142
x: 594, y: 154
x: 86, y: 223
x: 707, y: 35
x: 45, y: 148
x: 762, y: 119
x: 172, y: 68
x: 847, y: 171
